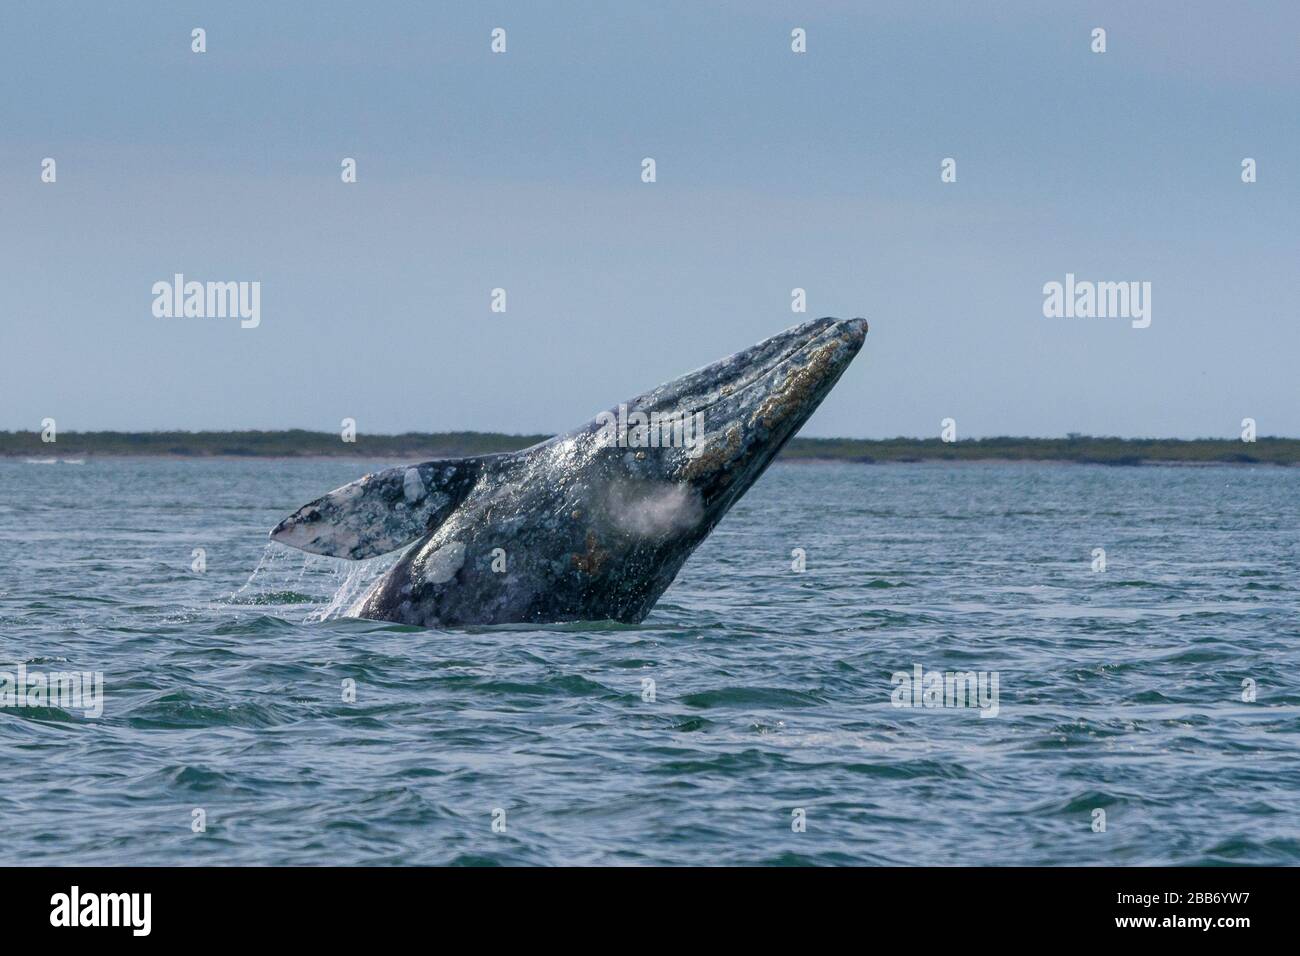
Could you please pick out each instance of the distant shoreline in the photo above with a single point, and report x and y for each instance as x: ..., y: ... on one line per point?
x: 297, y: 443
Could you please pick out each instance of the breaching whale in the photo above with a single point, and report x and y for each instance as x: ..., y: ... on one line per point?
x: 590, y: 525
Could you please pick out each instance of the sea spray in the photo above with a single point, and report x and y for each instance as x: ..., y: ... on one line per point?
x: 355, y: 577
x: 286, y: 576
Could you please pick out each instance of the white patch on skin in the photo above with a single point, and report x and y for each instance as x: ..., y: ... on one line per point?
x: 441, y: 566
x: 653, y: 509
x: 413, y: 486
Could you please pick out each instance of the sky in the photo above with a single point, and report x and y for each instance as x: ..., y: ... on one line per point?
x: 522, y: 170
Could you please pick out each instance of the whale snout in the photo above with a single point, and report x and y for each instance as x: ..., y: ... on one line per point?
x: 765, y: 396
x: 855, y: 329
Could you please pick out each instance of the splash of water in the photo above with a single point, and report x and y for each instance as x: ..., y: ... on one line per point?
x: 357, y: 576
x: 286, y: 576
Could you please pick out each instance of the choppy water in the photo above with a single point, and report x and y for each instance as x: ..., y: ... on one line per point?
x: 1118, y: 690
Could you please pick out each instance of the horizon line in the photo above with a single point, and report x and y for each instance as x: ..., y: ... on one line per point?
x: 1068, y: 436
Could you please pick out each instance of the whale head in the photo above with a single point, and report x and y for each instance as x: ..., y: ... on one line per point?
x: 751, y: 404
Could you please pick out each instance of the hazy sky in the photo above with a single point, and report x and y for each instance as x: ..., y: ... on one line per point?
x: 523, y: 170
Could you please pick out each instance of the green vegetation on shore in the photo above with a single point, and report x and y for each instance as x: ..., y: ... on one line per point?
x: 1076, y: 448
x: 419, y: 446
x: 292, y: 443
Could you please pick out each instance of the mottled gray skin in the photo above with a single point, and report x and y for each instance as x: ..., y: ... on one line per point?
x: 585, y: 530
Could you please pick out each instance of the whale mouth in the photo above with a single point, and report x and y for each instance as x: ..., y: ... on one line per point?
x: 754, y: 402
x: 807, y: 375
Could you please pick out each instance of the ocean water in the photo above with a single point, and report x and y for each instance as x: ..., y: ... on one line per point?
x: 772, y: 735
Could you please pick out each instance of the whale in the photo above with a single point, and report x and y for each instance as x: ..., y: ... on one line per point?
x: 590, y: 525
